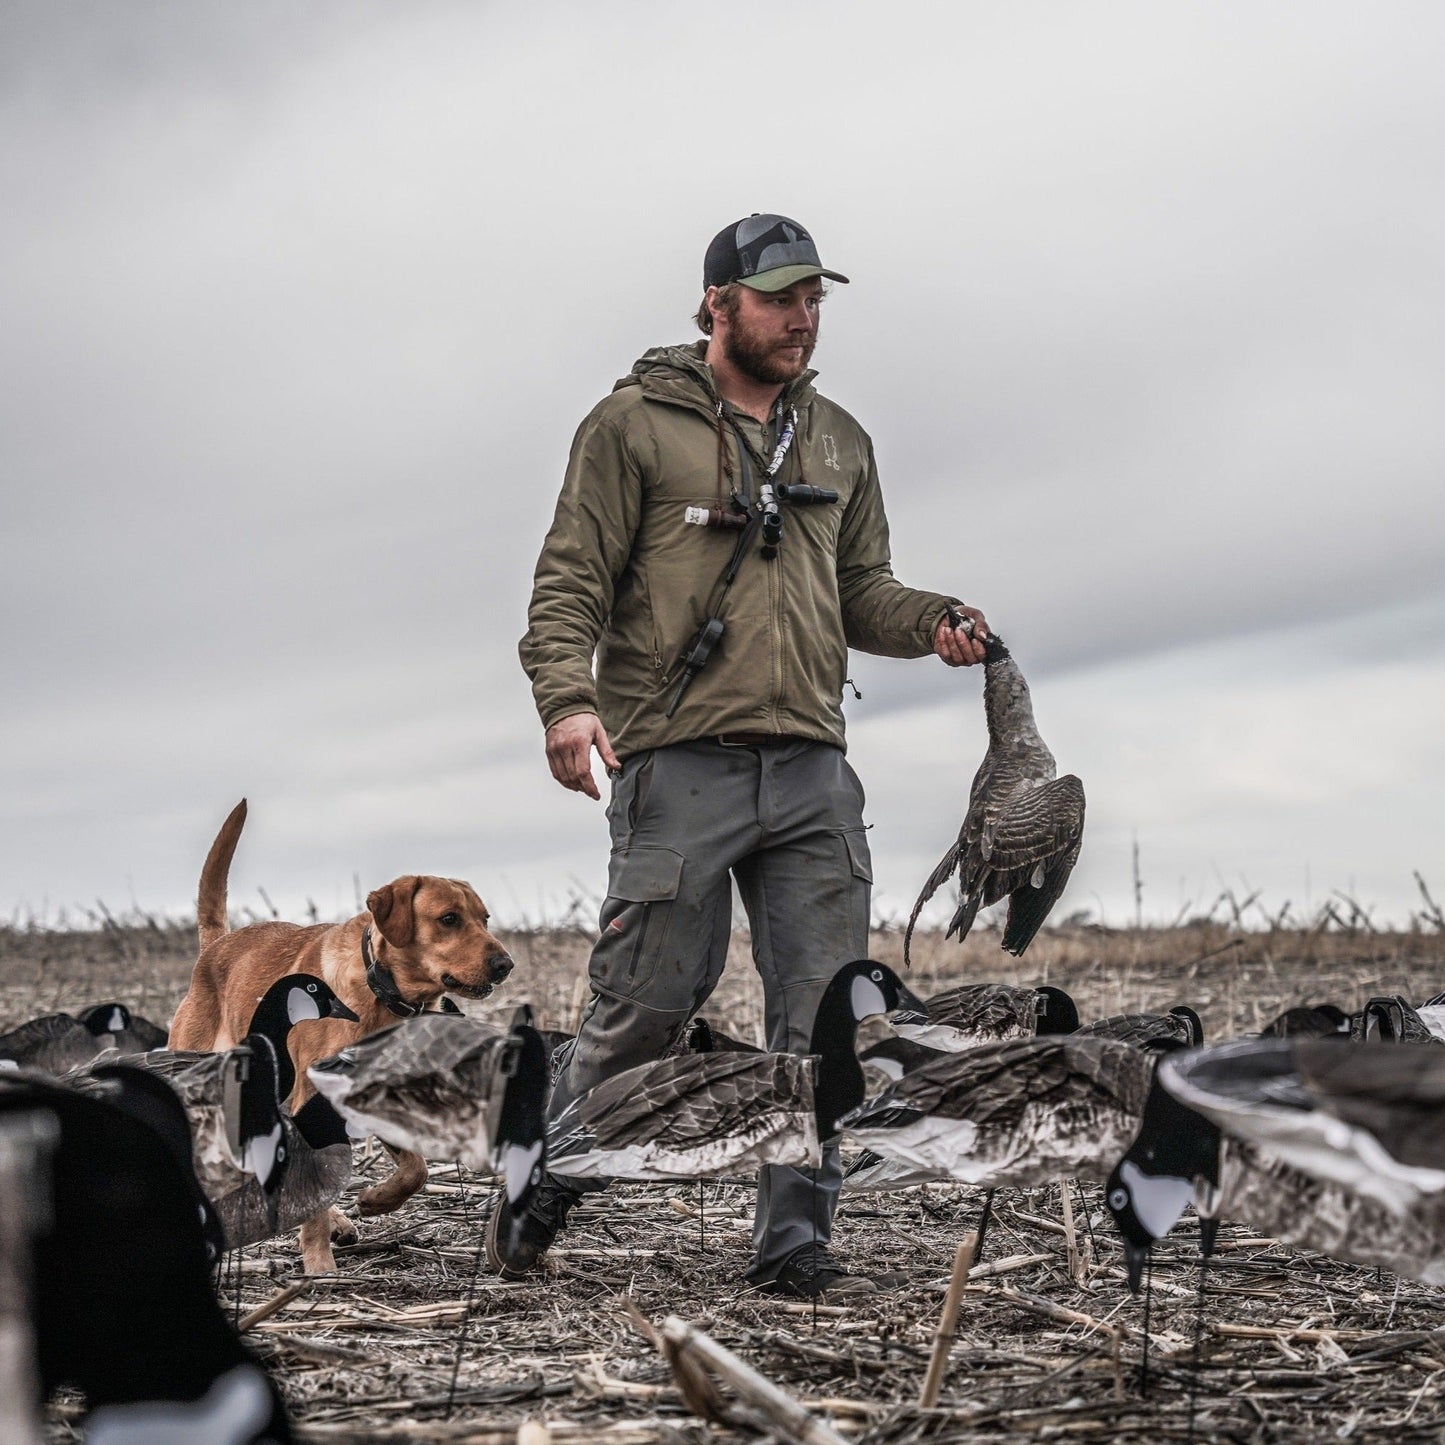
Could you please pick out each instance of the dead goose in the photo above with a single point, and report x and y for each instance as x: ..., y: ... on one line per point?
x: 261, y: 1169
x: 448, y: 1087
x: 1329, y: 1145
x: 710, y: 1114
x: 1015, y: 1114
x: 1024, y: 825
x: 56, y: 1042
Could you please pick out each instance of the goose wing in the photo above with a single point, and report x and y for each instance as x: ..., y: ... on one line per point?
x: 971, y: 1014
x: 1035, y: 848
x: 1155, y: 1033
x: 942, y: 872
x: 691, y: 1115
x: 51, y: 1043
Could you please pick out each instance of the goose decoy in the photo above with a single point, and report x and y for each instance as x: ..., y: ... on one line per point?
x: 1308, y: 1021
x: 1012, y: 1114
x: 1024, y: 825
x: 1391, y: 1019
x: 1325, y: 1143
x: 56, y: 1042
x: 448, y: 1087
x: 263, y: 1169
x: 1180, y: 1028
x: 700, y: 1037
x: 1432, y: 1015
x: 981, y: 1013
x: 721, y: 1113
x: 124, y: 1307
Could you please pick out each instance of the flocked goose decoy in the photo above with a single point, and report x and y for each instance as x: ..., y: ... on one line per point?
x: 982, y: 1013
x: 263, y: 1170
x: 1180, y: 1028
x: 124, y: 1302
x: 1326, y: 1144
x: 1015, y: 1114
x: 448, y: 1087
x: 1024, y: 825
x: 719, y: 1113
x: 54, y: 1043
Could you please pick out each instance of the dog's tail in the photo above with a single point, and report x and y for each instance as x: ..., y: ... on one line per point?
x: 211, y: 901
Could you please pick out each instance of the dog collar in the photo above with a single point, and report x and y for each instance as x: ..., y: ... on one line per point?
x: 380, y: 981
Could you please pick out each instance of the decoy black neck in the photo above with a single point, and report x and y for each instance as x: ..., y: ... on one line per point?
x: 271, y: 1023
x: 839, y: 1086
x: 1055, y: 1012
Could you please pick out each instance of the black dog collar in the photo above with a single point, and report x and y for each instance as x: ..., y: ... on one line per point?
x: 380, y: 981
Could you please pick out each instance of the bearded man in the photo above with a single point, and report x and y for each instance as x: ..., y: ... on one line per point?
x: 719, y: 545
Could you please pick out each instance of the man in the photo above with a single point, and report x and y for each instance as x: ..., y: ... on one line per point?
x: 720, y: 543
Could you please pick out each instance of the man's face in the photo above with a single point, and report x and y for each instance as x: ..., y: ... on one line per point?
x: 771, y: 335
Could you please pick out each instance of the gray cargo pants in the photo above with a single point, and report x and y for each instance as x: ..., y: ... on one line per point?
x: 786, y: 819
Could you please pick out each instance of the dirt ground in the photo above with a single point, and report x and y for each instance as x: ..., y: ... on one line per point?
x: 409, y: 1342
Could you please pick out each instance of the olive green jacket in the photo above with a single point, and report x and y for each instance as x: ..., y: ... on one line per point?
x: 622, y: 573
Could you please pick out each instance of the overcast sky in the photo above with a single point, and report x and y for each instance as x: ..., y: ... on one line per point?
x: 302, y: 304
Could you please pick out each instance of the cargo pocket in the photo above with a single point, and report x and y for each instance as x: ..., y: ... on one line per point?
x: 642, y: 886
x: 860, y: 859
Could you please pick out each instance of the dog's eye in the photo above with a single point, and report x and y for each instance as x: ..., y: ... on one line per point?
x: 450, y: 920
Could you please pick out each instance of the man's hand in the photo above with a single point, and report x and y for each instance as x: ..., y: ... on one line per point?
x: 954, y: 644
x: 569, y: 751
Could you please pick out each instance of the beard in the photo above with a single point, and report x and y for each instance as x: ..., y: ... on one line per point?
x: 762, y: 359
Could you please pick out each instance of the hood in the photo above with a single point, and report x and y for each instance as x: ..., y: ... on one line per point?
x: 679, y: 374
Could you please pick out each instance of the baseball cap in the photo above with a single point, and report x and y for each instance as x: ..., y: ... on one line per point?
x: 765, y: 252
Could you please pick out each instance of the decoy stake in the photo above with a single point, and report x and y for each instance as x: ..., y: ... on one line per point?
x: 948, y: 1321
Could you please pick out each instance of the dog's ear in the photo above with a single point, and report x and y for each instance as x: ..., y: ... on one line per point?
x: 393, y: 910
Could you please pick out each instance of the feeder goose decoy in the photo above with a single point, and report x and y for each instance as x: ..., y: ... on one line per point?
x: 262, y: 1169
x: 980, y: 1013
x: 1013, y: 1114
x: 1180, y: 1028
x: 56, y: 1042
x: 1024, y: 825
x: 1327, y: 1144
x: 712, y: 1114
x: 124, y: 1306
x: 448, y: 1087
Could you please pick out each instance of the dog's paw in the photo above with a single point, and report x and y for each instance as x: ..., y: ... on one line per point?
x: 343, y: 1231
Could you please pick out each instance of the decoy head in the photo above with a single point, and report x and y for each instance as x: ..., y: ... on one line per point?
x: 296, y: 999
x: 698, y: 1037
x: 1054, y: 1011
x: 1192, y: 1022
x: 865, y: 988
x: 1148, y: 1189
x: 106, y: 1018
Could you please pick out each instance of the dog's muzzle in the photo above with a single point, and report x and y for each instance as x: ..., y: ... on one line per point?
x: 499, y: 966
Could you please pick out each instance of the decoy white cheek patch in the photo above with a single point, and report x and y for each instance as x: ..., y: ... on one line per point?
x: 1158, y: 1201
x: 300, y: 1006
x: 867, y: 998
x: 234, y: 1410
x: 117, y: 1021
x: 517, y: 1166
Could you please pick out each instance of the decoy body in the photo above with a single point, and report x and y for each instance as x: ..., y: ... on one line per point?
x: 720, y: 1113
x: 1180, y: 1028
x: 448, y: 1087
x: 262, y: 1170
x: 1390, y: 1019
x: 1308, y: 1020
x: 54, y: 1043
x: 983, y: 1013
x: 123, y: 1304
x: 1330, y: 1145
x: 1020, y: 1113
x: 1024, y: 826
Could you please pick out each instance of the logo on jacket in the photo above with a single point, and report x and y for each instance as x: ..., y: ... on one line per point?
x: 830, y: 453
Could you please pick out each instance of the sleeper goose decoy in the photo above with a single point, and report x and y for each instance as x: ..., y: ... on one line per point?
x: 448, y: 1087
x: 124, y: 1305
x: 721, y: 1113
x: 1309, y: 1021
x: 1012, y: 1114
x: 1180, y: 1028
x: 56, y: 1042
x: 1024, y: 825
x: 1329, y: 1145
x: 263, y: 1170
x: 980, y: 1013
